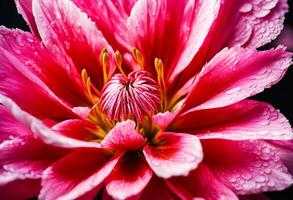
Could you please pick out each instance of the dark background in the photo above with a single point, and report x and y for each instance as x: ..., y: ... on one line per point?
x: 280, y: 95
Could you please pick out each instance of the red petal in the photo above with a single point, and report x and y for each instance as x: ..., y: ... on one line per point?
x: 247, y: 167
x: 129, y: 177
x: 200, y: 183
x: 241, y: 121
x: 175, y: 154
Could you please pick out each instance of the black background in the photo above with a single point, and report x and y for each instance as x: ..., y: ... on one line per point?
x: 280, y: 95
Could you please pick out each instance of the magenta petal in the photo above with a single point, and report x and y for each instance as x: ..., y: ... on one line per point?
x: 175, y: 154
x: 129, y: 177
x: 41, y: 131
x: 24, y: 7
x: 246, y: 167
x: 246, y: 71
x: 163, y: 119
x: 124, y: 137
x: 70, y: 179
x: 67, y: 32
x: 200, y: 183
x: 241, y: 121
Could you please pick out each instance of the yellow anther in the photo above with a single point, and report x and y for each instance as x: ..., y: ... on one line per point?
x: 118, y: 59
x: 104, y: 59
x: 138, y: 57
x: 159, y: 66
x: 86, y: 80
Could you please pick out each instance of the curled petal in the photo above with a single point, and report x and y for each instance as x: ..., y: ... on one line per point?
x: 175, y: 154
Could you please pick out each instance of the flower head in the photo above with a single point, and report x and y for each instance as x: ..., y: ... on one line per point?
x: 142, y: 99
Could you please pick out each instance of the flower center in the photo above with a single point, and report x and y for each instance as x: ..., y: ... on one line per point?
x: 130, y: 97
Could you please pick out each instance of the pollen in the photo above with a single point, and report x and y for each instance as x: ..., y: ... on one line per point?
x: 130, y: 97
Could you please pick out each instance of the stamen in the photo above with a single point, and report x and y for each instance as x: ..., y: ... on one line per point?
x: 161, y: 80
x: 86, y: 80
x: 104, y: 59
x: 118, y: 59
x: 138, y: 57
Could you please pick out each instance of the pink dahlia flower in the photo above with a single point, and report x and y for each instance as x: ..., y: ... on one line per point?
x: 142, y: 99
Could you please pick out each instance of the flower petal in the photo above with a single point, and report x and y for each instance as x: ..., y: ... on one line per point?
x: 24, y: 7
x: 71, y: 36
x: 149, y: 27
x: 163, y: 119
x: 41, y: 131
x: 76, y: 128
x: 245, y: 120
x: 76, y: 174
x: 37, y: 61
x: 235, y: 74
x: 246, y: 167
x: 124, y: 137
x: 200, y: 183
x: 9, y: 127
x: 110, y: 17
x: 129, y: 177
x: 20, y: 189
x: 175, y: 154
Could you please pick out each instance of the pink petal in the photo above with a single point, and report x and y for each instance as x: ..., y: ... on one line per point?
x: 245, y: 23
x: 67, y: 32
x: 37, y: 63
x: 235, y: 74
x: 163, y: 119
x: 200, y: 183
x: 149, y: 27
x: 124, y: 137
x: 9, y: 127
x: 20, y: 189
x: 77, y: 129
x: 24, y: 7
x: 175, y: 154
x: 241, y: 121
x: 40, y: 130
x: 76, y: 174
x: 129, y: 177
x: 110, y: 17
x: 246, y: 167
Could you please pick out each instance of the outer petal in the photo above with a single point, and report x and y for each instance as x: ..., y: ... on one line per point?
x: 129, y: 177
x: 124, y: 137
x: 175, y: 154
x: 42, y: 131
x: 24, y: 8
x: 246, y: 167
x: 249, y: 23
x: 110, y: 17
x: 235, y: 74
x: 241, y: 121
x: 76, y: 174
x: 71, y: 35
x: 38, y: 62
x: 9, y: 127
x: 200, y: 183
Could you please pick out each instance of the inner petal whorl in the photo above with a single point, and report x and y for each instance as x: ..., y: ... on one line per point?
x: 130, y: 97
